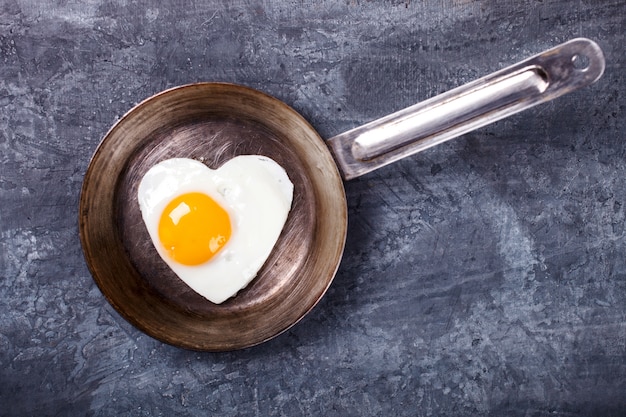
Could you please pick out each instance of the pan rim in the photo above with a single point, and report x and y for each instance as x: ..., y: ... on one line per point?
x: 86, y: 204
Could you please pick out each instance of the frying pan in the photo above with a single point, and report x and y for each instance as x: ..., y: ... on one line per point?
x: 213, y: 122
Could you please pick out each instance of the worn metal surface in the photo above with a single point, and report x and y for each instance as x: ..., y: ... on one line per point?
x: 485, y: 276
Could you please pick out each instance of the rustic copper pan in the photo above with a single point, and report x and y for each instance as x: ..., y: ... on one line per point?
x: 213, y: 122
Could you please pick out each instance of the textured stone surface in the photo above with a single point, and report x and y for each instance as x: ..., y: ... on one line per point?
x: 486, y: 276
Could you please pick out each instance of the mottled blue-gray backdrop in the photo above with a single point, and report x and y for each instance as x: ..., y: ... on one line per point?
x: 486, y: 276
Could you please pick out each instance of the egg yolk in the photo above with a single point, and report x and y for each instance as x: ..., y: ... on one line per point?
x: 193, y: 228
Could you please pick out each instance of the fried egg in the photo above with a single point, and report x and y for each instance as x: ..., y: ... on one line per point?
x: 215, y: 228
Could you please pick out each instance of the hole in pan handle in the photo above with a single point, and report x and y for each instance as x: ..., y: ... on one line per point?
x: 541, y: 78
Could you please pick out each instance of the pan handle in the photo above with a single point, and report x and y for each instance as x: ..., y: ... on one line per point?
x: 541, y: 78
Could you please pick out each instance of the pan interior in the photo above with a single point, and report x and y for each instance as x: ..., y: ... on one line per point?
x: 211, y: 122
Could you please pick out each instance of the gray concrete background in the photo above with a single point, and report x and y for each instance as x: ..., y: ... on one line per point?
x: 486, y: 276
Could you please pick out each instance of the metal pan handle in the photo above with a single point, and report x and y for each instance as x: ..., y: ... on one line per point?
x: 541, y: 78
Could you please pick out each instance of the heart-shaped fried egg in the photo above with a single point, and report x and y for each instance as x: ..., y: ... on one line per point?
x: 215, y: 228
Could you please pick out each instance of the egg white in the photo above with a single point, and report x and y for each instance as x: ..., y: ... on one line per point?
x: 254, y: 190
